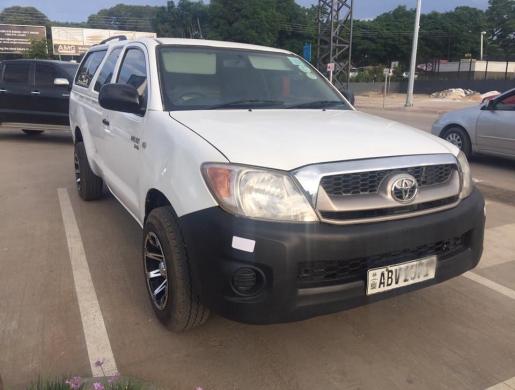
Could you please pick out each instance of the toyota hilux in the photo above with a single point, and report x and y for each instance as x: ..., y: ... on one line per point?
x: 263, y: 195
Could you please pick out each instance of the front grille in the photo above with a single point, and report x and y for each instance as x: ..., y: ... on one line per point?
x: 328, y: 272
x: 362, y: 183
x: 386, y: 212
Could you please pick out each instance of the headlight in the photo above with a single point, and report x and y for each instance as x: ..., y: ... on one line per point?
x: 467, y: 184
x: 258, y: 193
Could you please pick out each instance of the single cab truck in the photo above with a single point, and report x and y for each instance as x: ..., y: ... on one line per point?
x: 263, y: 195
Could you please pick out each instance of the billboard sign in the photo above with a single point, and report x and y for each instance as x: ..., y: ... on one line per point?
x: 77, y: 41
x: 15, y: 39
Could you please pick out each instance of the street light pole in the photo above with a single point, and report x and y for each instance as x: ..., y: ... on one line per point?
x: 482, y: 42
x: 413, y: 67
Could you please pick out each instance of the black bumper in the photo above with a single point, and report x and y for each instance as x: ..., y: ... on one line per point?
x: 283, y: 249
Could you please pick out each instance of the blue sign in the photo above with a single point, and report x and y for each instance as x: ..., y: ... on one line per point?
x: 307, y: 52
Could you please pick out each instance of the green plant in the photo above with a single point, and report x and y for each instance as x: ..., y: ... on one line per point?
x: 56, y: 384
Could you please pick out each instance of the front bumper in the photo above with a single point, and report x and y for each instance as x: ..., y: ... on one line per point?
x: 282, y: 248
x: 437, y: 129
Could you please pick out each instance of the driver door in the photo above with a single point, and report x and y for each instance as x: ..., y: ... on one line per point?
x: 495, y: 129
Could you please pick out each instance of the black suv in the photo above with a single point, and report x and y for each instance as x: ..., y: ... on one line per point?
x: 34, y: 94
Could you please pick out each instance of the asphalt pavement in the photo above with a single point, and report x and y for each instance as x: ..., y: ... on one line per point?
x: 456, y: 335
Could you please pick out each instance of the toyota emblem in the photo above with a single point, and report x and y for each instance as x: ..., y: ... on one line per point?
x: 405, y: 190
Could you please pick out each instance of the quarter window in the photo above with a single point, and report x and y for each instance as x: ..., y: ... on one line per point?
x: 88, y: 68
x: 134, y: 72
x: 106, y: 74
x: 45, y: 75
x: 17, y: 74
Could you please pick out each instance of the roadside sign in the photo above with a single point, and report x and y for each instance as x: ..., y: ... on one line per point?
x: 330, y: 67
x: 307, y: 52
x: 386, y: 71
x: 76, y: 41
x: 395, y: 64
x: 15, y: 39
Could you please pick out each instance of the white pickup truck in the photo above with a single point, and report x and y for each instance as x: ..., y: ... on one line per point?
x: 263, y: 195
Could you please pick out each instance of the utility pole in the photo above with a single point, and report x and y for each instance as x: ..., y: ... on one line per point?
x: 413, y: 67
x: 335, y: 25
x: 482, y: 43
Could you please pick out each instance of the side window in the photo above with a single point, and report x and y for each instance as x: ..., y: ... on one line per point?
x: 45, y: 75
x: 89, y: 67
x: 17, y: 73
x: 507, y: 104
x: 134, y: 72
x: 106, y: 74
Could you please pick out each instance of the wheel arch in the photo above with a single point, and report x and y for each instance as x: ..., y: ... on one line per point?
x: 153, y: 200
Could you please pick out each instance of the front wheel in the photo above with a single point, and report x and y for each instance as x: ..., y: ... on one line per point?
x: 458, y: 137
x: 168, y: 273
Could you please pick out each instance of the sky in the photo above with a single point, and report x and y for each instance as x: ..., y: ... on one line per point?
x: 79, y: 10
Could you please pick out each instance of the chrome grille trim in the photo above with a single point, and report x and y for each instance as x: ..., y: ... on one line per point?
x: 311, y: 179
x: 310, y: 176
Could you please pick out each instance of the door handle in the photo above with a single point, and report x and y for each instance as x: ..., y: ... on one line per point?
x: 3, y: 90
x: 105, y: 122
x: 36, y: 93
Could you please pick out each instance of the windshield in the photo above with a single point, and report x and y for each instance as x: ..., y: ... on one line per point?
x: 200, y: 78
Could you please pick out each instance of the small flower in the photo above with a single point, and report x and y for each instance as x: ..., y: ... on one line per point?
x: 74, y: 383
x: 99, y: 363
x: 98, y: 386
x: 114, y: 377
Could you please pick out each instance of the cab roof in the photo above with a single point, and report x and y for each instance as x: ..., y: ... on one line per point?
x: 152, y: 42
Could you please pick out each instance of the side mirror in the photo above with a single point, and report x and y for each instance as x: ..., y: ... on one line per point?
x: 349, y: 95
x: 119, y: 97
x: 61, y: 82
x: 490, y: 105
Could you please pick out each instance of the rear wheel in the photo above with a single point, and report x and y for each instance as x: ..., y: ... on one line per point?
x: 458, y: 137
x: 168, y: 273
x: 89, y: 185
x: 33, y: 132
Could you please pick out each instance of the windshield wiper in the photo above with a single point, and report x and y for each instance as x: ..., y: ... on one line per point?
x: 247, y: 102
x: 318, y: 104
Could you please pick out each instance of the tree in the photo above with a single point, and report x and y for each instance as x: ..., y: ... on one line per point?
x: 24, y: 15
x: 501, y: 18
x: 39, y: 49
x: 124, y: 17
x: 186, y: 20
x: 246, y: 21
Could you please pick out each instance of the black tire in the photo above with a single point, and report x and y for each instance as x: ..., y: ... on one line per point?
x: 89, y: 185
x: 460, y: 138
x: 33, y: 132
x: 182, y: 309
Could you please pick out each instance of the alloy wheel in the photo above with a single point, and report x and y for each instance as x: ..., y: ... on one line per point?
x: 77, y: 170
x: 155, y: 271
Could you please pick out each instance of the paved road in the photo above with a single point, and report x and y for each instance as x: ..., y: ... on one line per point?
x: 457, y: 335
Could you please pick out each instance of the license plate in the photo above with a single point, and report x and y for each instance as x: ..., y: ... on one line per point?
x: 400, y: 275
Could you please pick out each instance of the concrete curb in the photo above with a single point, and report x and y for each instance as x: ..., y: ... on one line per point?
x: 497, y: 194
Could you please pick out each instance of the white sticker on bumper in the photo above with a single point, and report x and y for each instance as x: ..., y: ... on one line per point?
x: 243, y: 244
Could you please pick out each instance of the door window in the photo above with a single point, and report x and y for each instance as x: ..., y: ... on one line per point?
x: 45, y: 75
x: 89, y: 67
x: 134, y: 72
x: 507, y: 104
x: 106, y: 74
x: 17, y: 73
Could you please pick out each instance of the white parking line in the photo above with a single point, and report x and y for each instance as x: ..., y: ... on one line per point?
x: 507, y: 385
x: 492, y: 285
x: 510, y: 383
x: 95, y: 333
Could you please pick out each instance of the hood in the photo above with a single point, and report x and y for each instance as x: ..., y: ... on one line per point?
x: 289, y: 139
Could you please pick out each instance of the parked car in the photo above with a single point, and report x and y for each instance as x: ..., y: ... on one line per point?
x: 35, y: 94
x: 484, y: 129
x: 262, y: 194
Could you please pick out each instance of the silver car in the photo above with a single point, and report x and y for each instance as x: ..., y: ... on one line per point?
x: 485, y: 129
